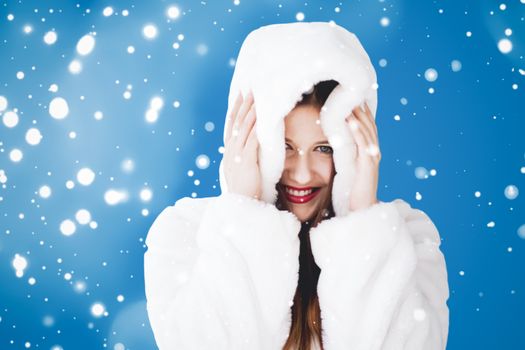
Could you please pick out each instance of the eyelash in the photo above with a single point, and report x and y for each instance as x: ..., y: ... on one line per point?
x: 329, y: 152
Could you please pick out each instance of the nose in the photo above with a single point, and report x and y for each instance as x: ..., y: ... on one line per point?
x: 301, y: 171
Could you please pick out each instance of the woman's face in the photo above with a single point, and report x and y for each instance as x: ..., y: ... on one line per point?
x: 308, y: 163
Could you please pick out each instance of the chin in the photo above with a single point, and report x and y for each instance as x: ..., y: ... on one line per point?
x: 302, y: 215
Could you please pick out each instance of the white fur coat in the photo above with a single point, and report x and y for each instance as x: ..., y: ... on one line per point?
x: 221, y: 272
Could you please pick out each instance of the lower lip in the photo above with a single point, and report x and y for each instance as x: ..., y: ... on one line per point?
x: 301, y: 200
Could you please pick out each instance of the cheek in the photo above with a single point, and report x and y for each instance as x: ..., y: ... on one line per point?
x: 324, y: 167
x: 287, y: 165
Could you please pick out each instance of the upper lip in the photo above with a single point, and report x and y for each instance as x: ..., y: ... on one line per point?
x: 300, y: 188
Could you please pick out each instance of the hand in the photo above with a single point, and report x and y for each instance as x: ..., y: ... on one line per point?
x: 241, y: 168
x: 368, y: 156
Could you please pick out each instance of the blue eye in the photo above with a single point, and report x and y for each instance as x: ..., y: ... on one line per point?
x: 328, y: 149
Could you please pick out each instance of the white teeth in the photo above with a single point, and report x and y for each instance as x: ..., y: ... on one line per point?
x: 298, y: 193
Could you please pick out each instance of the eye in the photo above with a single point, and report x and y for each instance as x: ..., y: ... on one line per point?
x: 326, y: 149
x: 287, y: 146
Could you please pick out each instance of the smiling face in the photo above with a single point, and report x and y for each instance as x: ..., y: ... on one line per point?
x: 309, y: 167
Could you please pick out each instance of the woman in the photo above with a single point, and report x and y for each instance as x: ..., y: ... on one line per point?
x: 265, y: 267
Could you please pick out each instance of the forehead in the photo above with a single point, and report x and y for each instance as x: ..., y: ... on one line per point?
x: 302, y: 124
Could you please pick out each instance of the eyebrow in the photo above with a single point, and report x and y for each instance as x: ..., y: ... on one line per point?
x: 317, y: 143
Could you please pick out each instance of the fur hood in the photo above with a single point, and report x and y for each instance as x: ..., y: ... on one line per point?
x: 279, y: 63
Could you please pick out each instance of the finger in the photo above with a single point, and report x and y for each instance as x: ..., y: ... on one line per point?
x: 227, y: 152
x: 252, y: 144
x: 369, y: 113
x: 232, y: 153
x: 360, y: 137
x: 231, y: 117
x: 370, y: 117
x: 247, y: 104
x: 365, y: 118
x: 246, y: 127
x: 375, y: 135
x: 232, y: 147
x: 362, y: 128
x: 370, y: 147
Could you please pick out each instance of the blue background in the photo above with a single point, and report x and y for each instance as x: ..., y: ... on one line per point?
x: 468, y: 135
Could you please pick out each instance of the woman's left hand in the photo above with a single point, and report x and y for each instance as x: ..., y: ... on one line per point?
x: 366, y: 162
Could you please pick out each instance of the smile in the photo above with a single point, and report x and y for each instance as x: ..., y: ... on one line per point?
x: 302, y: 196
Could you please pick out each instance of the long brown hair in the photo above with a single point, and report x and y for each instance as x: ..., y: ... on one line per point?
x: 306, y: 313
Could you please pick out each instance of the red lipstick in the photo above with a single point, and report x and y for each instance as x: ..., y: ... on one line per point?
x: 301, y: 199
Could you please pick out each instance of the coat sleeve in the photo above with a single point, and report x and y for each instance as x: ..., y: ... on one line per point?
x: 383, y: 282
x: 220, y: 273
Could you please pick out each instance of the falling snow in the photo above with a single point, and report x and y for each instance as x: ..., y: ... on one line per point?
x: 85, y: 45
x: 50, y: 38
x: 149, y: 31
x: 111, y: 112
x: 58, y: 108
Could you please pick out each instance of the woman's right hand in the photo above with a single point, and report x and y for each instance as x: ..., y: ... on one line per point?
x: 241, y: 168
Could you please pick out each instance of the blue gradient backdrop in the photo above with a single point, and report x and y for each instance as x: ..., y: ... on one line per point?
x: 439, y: 148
